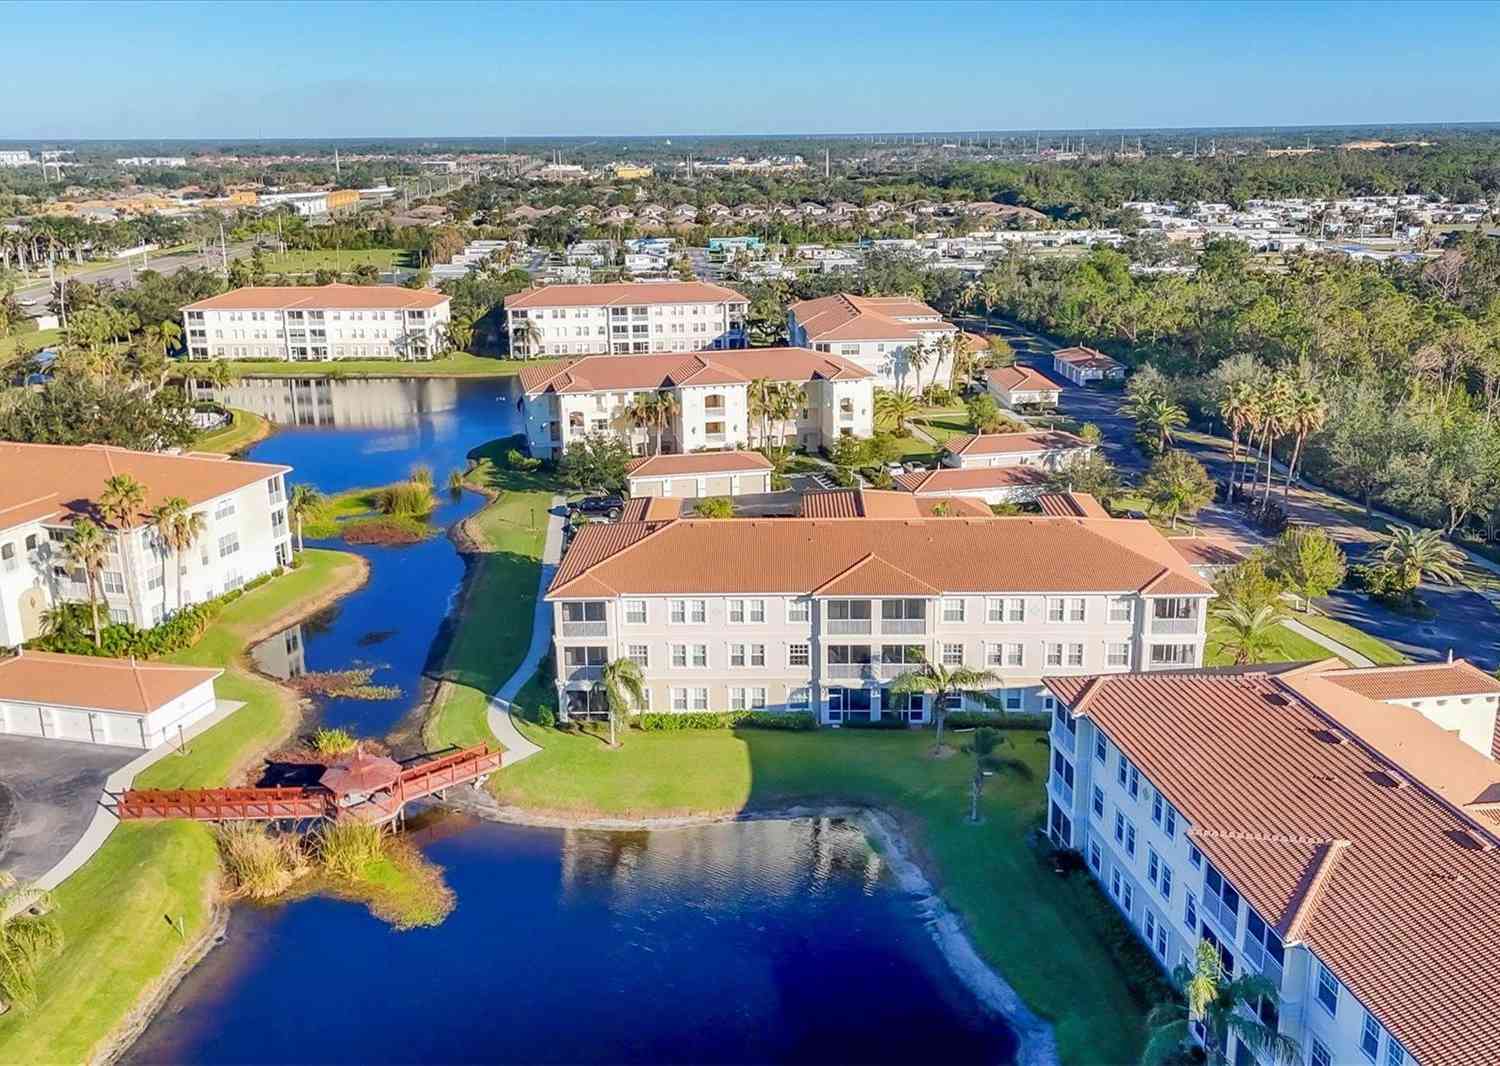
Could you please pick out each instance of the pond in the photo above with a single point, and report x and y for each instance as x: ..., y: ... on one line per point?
x: 774, y: 941
x: 747, y: 942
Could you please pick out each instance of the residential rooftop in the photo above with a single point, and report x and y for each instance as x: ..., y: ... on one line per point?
x: 1047, y: 440
x: 697, y: 463
x: 876, y: 503
x: 593, y: 373
x: 91, y: 683
x: 1018, y: 377
x: 623, y: 293
x: 946, y: 479
x: 318, y: 297
x: 866, y: 318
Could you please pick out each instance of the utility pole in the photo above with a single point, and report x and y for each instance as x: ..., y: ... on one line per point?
x: 223, y: 250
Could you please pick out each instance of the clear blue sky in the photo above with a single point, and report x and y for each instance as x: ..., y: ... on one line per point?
x: 355, y: 69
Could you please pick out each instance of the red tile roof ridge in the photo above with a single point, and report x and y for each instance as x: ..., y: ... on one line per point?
x: 1294, y: 923
x: 559, y: 579
x: 872, y: 559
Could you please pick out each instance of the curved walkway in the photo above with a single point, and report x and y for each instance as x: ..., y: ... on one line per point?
x: 498, y: 715
x: 1343, y: 651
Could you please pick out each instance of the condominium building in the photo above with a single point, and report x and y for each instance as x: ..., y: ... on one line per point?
x: 1341, y: 845
x: 814, y: 614
x: 15, y: 158
x: 625, y: 318
x: 318, y: 322
x: 997, y: 467
x: 45, y: 488
x: 878, y: 333
x: 709, y: 394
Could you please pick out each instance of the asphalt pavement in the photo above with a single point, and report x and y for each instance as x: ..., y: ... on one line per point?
x: 125, y: 270
x: 49, y: 791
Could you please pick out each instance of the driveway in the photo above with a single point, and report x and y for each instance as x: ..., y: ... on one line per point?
x: 49, y: 790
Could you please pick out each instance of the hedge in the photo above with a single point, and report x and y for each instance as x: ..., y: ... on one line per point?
x: 667, y: 723
x: 975, y: 719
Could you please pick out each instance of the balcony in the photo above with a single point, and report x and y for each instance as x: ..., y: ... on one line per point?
x: 1226, y: 918
x: 1062, y: 790
x: 903, y: 625
x: 1064, y: 739
x: 1174, y: 627
x: 838, y: 626
x: 585, y: 629
x: 848, y: 671
x: 891, y: 671
x: 1256, y: 955
x: 584, y: 673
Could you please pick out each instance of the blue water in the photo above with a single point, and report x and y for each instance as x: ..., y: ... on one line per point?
x: 782, y: 942
x: 755, y: 942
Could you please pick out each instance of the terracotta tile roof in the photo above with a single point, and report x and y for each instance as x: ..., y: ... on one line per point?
x: 317, y: 297
x: 646, y: 292
x: 593, y: 373
x: 57, y: 481
x: 1419, y: 681
x: 1080, y: 356
x: 840, y: 503
x: 1071, y: 505
x: 797, y: 555
x: 651, y: 509
x: 1339, y: 845
x: 697, y: 463
x: 879, y: 503
x: 1207, y: 551
x: 1049, y: 440
x: 947, y: 479
x: 1022, y: 378
x: 866, y: 318
x: 873, y: 576
x: 93, y: 683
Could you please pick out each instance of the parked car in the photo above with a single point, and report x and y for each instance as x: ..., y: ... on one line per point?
x: 911, y: 466
x: 593, y: 506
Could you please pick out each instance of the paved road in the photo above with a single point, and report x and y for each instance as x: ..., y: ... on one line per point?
x: 1466, y: 624
x: 123, y: 272
x: 49, y: 792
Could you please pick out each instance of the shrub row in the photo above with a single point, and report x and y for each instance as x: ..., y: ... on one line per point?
x: 975, y: 719
x: 667, y: 723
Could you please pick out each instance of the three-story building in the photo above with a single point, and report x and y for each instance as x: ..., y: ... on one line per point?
x: 625, y: 318
x: 803, y: 614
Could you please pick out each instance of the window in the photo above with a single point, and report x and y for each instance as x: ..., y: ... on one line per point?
x: 679, y: 612
x: 1369, y: 1037
x: 635, y: 612
x: 1075, y: 654
x: 155, y: 577
x: 737, y: 699
x: 1221, y: 900
x: 953, y: 610
x: 737, y: 612
x: 798, y: 655
x: 1101, y: 746
x: 1096, y: 860
x: 1015, y: 610
x: 114, y: 583
x: 1328, y: 990
x: 1119, y: 827
x: 1130, y: 840
x: 697, y: 611
x: 799, y: 699
x: 757, y: 655
x: 1166, y: 882
x: 1153, y: 865
x: 1148, y: 923
x: 1190, y: 912
x: 1055, y: 609
x: 1098, y: 802
x: 1054, y: 654
x: 1320, y: 1055
x: 1013, y: 699
x: 796, y: 611
x: 1121, y: 609
x: 1135, y: 782
x: 1122, y: 770
x: 757, y: 699
x: 1075, y: 609
x: 229, y: 543
x: 953, y: 654
x: 1156, y: 809
x: 1015, y: 655
x: 1127, y: 898
x: 1117, y: 654
x: 1195, y: 857
x: 588, y: 611
x: 700, y: 699
x: 1171, y: 655
x: 757, y: 610
x: 224, y: 509
x: 700, y: 656
x: 679, y: 656
x: 736, y: 655
x: 1395, y: 1054
x: 639, y: 654
x: 1169, y: 823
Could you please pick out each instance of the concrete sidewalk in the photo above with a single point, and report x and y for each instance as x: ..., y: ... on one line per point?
x: 498, y: 715
x: 1343, y: 651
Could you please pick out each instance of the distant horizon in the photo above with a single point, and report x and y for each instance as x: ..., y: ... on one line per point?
x: 150, y: 71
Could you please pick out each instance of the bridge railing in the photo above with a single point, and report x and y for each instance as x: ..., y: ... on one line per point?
x: 222, y: 804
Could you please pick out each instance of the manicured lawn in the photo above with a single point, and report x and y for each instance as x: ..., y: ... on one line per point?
x: 1372, y: 648
x: 117, y: 910
x: 40, y: 338
x: 1043, y: 933
x: 456, y: 365
x: 301, y: 261
x: 244, y: 429
x: 946, y: 422
x: 1288, y: 647
x: 493, y: 630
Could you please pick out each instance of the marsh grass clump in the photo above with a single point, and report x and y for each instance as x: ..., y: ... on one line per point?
x: 411, y: 499
x: 258, y: 864
x: 455, y: 482
x: 342, y: 684
x: 332, y: 741
x: 421, y: 474
x: 348, y: 850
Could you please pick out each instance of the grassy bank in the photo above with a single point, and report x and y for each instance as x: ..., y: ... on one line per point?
x: 1286, y: 646
x: 455, y: 365
x: 11, y: 345
x: 302, y: 261
x: 1044, y: 934
x: 244, y: 429
x: 493, y: 630
x: 1372, y: 648
x: 117, y: 912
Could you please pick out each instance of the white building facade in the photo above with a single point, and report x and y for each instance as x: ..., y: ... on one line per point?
x: 878, y: 333
x: 625, y: 319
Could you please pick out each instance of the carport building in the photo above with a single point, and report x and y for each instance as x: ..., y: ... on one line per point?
x: 101, y: 701
x: 700, y: 474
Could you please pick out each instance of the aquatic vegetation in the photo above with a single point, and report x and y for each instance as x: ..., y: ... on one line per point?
x: 348, y: 849
x: 333, y: 741
x: 353, y: 684
x: 257, y: 863
x: 409, y: 498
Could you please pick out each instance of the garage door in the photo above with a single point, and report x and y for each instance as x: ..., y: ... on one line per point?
x: 717, y: 486
x: 72, y: 725
x: 682, y: 486
x: 646, y: 488
x: 754, y: 483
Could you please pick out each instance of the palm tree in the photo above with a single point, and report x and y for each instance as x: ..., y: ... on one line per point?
x: 624, y: 690
x: 1158, y: 416
x: 943, y: 681
x: 787, y: 401
x: 640, y: 412
x: 758, y: 397
x: 1234, y: 409
x: 1419, y: 553
x: 183, y: 534
x: 165, y: 517
x: 1306, y: 414
x: 461, y: 330
x: 1276, y: 414
x: 305, y: 500
x: 529, y: 334
x: 1248, y: 635
x: 896, y: 406
x: 665, y: 407
x: 1224, y: 1008
x: 918, y: 355
x: 86, y: 550
x: 121, y: 503
x: 959, y: 365
x: 29, y: 936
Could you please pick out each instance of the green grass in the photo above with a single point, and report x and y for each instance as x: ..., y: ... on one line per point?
x: 1286, y: 647
x: 1372, y: 648
x: 305, y: 261
x: 117, y: 910
x: 244, y: 429
x: 456, y: 365
x: 494, y: 628
x: 10, y: 345
x: 943, y: 423
x: 1045, y: 935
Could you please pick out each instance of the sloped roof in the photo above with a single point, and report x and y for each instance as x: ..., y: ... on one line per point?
x: 798, y: 555
x: 1350, y: 841
x: 651, y: 509
x: 1418, y: 681
x: 1022, y: 378
x: 58, y: 481
x: 1071, y: 505
x: 92, y: 683
x: 1207, y: 550
x: 1081, y: 356
x: 593, y: 373
x: 697, y: 463
x: 317, y: 297
x: 617, y: 293
x: 865, y: 318
x: 948, y: 479
x: 1046, y: 440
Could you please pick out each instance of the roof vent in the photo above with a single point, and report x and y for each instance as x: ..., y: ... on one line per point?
x: 1385, y: 779
x: 1327, y: 736
x: 1276, y: 699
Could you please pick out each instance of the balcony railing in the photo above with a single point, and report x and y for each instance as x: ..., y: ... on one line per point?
x: 1062, y: 790
x: 848, y: 625
x: 1064, y: 739
x: 1221, y: 913
x: 903, y: 625
x: 889, y: 671
x: 585, y: 673
x: 585, y: 629
x: 1257, y: 956
x: 1174, y: 626
x: 848, y: 671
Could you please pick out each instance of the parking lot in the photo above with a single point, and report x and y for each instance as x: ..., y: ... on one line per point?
x: 49, y: 790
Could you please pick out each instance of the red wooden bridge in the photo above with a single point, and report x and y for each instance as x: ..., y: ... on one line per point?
x: 366, y: 788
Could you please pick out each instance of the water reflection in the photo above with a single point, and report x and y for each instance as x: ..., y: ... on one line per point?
x: 743, y: 942
x: 340, y: 403
x: 282, y: 656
